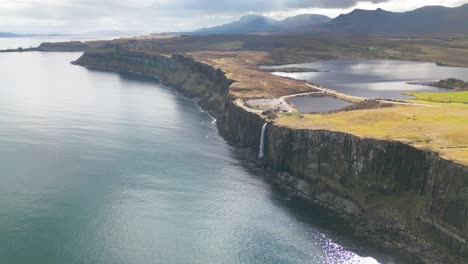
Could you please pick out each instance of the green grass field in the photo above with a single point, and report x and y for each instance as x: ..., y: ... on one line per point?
x: 102, y: 51
x: 453, y: 99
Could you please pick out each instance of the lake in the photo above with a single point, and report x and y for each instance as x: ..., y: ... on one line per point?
x: 310, y: 104
x: 386, y: 79
x: 99, y: 167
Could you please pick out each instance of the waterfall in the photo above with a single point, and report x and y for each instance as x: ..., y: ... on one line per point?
x: 261, y: 152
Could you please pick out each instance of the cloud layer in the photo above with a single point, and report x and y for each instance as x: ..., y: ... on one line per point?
x: 74, y: 16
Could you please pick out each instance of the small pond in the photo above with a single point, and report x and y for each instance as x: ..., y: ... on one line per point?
x: 309, y: 104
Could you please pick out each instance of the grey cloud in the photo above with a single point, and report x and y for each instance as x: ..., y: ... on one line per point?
x: 260, y: 5
x: 152, y: 15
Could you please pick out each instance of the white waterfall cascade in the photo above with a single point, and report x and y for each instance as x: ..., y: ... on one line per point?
x: 261, y: 152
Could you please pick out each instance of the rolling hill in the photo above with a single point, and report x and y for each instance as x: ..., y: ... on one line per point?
x: 257, y: 24
x: 425, y: 20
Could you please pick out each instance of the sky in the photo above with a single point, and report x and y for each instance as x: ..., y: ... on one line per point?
x: 152, y: 16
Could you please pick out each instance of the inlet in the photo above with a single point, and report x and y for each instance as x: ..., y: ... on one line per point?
x: 261, y: 152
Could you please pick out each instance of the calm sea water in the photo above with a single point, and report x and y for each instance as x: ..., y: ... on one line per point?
x: 375, y: 78
x: 32, y: 42
x: 103, y: 168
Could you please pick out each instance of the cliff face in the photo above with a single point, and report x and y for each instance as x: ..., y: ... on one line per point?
x: 400, y: 198
x: 63, y: 46
x: 412, y: 194
x: 195, y: 80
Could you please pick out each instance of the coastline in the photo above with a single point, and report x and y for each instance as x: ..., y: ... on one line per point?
x: 329, y: 169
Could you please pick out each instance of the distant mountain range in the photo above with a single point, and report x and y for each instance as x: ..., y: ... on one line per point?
x: 429, y: 19
x: 98, y: 33
x: 257, y: 24
x: 9, y: 35
x: 16, y: 35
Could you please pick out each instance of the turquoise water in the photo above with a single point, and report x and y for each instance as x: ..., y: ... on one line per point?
x: 102, y: 168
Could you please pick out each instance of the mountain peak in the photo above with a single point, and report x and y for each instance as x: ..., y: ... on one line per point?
x: 254, y: 23
x: 428, y: 19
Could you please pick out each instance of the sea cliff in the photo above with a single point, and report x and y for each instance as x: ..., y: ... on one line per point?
x: 398, y: 197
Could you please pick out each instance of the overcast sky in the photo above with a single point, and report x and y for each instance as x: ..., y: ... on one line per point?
x: 146, y: 16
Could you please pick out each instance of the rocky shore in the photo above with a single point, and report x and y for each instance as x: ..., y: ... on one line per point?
x: 404, y: 200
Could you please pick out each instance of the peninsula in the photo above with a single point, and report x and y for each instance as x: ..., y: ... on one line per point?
x: 396, y: 174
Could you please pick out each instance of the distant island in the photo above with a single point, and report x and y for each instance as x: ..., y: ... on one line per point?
x: 97, y: 33
x: 17, y: 35
x: 9, y: 35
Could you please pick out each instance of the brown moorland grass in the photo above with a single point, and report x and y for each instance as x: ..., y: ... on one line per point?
x: 250, y: 82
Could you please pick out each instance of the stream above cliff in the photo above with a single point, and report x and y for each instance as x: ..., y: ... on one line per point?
x: 102, y: 168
